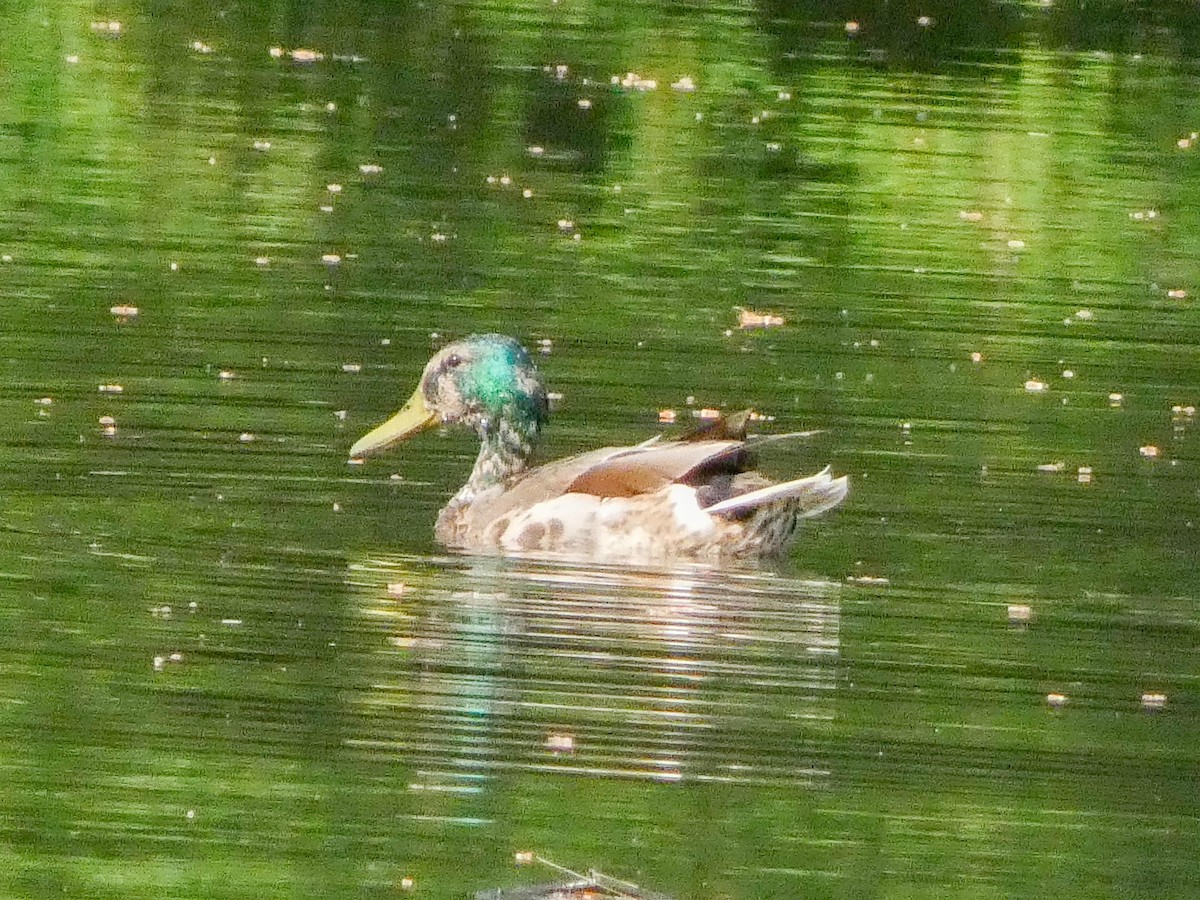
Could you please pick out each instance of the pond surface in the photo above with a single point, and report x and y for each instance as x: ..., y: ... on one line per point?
x: 230, y: 237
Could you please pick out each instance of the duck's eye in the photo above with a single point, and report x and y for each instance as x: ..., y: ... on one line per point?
x: 453, y: 361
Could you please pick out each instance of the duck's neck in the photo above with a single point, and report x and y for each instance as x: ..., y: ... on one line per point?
x: 505, y: 446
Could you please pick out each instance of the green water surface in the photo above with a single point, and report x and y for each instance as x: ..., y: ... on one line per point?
x: 233, y: 665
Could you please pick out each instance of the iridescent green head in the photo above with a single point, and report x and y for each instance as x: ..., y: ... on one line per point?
x: 483, y: 381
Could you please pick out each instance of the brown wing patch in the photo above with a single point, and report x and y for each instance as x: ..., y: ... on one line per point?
x: 645, y: 470
x: 619, y: 481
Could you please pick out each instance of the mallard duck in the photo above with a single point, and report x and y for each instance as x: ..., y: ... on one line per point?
x: 690, y: 498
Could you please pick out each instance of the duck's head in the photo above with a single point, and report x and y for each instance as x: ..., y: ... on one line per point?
x: 485, y: 381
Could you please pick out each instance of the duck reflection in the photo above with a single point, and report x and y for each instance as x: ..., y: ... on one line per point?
x: 491, y: 665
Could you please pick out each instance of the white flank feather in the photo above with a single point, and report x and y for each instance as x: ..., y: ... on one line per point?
x: 816, y: 493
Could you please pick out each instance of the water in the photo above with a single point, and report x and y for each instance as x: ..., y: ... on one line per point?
x: 235, y: 666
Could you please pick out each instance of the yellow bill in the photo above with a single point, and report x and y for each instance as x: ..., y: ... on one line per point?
x: 414, y: 417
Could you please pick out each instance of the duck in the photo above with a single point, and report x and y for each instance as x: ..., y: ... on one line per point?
x: 695, y: 497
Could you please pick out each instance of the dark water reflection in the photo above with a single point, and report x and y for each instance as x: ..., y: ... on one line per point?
x: 230, y: 236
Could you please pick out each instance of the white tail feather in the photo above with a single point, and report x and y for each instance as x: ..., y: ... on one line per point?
x: 817, y: 493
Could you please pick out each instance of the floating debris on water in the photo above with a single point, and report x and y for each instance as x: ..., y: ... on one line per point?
x: 635, y: 81
x: 592, y: 885
x: 1020, y: 614
x: 304, y: 56
x: 751, y: 318
x: 869, y: 580
x: 1154, y: 701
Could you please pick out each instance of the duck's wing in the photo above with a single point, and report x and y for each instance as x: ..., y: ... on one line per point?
x: 612, y: 472
x: 648, y: 468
